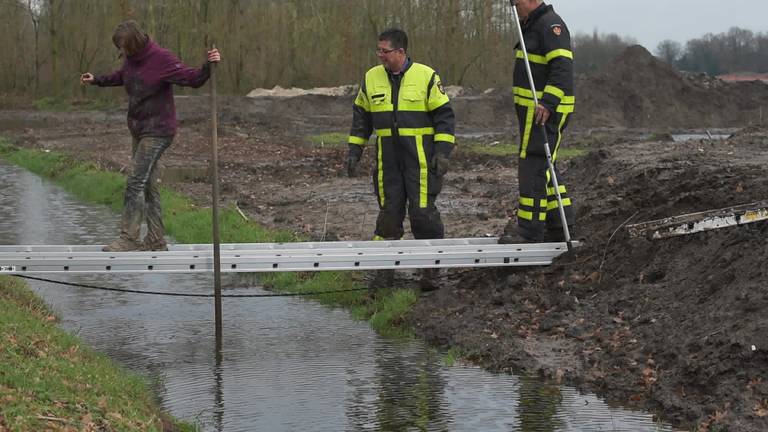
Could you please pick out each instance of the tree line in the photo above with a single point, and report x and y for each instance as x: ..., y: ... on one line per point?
x: 737, y: 50
x: 301, y: 43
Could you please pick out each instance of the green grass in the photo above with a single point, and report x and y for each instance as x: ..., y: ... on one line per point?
x: 328, y: 139
x: 451, y: 357
x: 50, y: 381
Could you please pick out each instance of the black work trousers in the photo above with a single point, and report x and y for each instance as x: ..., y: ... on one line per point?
x: 403, y: 178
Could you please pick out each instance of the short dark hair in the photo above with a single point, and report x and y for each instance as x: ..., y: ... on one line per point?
x: 130, y: 37
x: 396, y: 38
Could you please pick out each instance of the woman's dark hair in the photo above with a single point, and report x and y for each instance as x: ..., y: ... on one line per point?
x: 130, y: 37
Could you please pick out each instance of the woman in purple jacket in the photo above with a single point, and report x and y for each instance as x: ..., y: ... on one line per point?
x: 148, y: 74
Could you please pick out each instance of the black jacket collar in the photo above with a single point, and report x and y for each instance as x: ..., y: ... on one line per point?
x: 536, y: 14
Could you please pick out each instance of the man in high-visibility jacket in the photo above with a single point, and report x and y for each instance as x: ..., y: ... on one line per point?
x: 548, y: 42
x: 405, y: 105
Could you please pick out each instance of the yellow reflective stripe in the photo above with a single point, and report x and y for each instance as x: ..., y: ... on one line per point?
x: 543, y: 203
x: 559, y: 136
x: 533, y: 58
x: 445, y: 138
x: 357, y: 140
x: 558, y: 53
x: 380, y: 173
x: 414, y: 132
x: 378, y: 238
x: 554, y: 91
x: 524, y: 92
x: 564, y: 109
x: 423, y: 172
x: 530, y: 111
x: 553, y: 205
x: 523, y: 96
x: 551, y: 190
x: 542, y: 216
x: 529, y: 202
x: 524, y: 101
x: 522, y: 214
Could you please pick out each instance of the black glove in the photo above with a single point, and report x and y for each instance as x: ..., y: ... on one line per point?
x: 353, y: 159
x: 441, y: 162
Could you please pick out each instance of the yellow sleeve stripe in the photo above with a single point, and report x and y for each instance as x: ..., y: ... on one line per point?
x: 559, y: 53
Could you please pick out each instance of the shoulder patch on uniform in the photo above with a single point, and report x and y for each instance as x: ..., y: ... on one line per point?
x: 557, y: 29
x: 440, y: 87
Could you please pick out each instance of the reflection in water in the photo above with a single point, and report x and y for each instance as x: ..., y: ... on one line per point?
x: 284, y: 364
x: 218, y: 409
x: 539, y: 404
x: 410, y: 390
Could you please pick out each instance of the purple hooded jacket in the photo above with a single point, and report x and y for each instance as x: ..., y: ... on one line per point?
x: 148, y: 78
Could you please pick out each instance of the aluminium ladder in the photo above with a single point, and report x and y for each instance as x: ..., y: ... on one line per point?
x: 280, y: 257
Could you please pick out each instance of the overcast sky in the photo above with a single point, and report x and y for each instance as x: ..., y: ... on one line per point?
x: 650, y: 22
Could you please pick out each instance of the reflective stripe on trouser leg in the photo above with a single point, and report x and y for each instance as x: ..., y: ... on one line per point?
x: 554, y: 221
x: 390, y: 190
x: 526, y: 129
x: 147, y: 152
x: 378, y: 182
x: 532, y: 181
x: 422, y: 186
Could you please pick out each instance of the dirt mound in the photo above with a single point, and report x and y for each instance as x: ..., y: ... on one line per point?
x: 277, y: 91
x: 676, y: 325
x: 639, y: 90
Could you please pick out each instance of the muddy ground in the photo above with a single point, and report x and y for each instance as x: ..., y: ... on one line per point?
x: 676, y: 326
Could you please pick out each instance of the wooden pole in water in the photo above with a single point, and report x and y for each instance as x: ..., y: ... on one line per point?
x: 215, y: 204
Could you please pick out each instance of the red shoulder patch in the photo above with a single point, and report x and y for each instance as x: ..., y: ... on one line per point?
x: 557, y: 30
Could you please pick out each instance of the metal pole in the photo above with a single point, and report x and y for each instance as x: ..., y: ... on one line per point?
x: 551, y: 164
x: 215, y: 204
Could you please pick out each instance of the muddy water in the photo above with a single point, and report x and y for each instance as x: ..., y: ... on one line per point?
x: 287, y: 364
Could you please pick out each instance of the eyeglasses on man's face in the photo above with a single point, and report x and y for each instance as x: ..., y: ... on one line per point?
x: 385, y: 51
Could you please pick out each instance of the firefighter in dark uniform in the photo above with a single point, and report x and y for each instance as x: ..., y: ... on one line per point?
x: 405, y: 105
x: 548, y: 42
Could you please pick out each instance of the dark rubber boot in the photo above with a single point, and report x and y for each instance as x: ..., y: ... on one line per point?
x: 511, y: 235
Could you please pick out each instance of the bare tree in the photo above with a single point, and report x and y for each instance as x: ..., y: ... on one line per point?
x: 669, y: 51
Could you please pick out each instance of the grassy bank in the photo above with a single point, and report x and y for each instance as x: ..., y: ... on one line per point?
x: 188, y: 223
x: 50, y: 381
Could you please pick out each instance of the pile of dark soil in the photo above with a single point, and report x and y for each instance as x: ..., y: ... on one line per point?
x: 638, y: 90
x: 676, y: 326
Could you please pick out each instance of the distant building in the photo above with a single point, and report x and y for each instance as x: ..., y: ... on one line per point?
x: 744, y: 76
